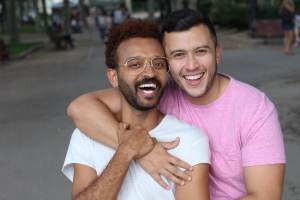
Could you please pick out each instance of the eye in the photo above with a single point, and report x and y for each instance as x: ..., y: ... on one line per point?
x: 134, y: 64
x: 200, y: 52
x: 178, y: 55
x: 159, y: 63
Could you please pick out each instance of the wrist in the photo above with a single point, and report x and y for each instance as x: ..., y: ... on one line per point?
x: 149, y: 150
x: 126, y: 153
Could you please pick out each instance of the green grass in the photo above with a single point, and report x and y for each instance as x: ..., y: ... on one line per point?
x: 28, y: 28
x: 16, y: 49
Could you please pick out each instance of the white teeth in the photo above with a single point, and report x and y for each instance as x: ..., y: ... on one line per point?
x: 148, y: 91
x: 148, y: 85
x: 193, y: 77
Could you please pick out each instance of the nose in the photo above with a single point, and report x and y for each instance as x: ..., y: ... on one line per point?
x: 191, y: 63
x: 148, y: 69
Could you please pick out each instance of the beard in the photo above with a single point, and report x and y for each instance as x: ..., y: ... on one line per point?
x: 131, y: 94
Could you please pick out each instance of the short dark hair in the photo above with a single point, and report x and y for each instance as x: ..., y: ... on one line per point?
x: 184, y: 19
x: 130, y: 28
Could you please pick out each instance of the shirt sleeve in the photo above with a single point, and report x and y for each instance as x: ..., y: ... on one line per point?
x: 200, y: 152
x: 193, y: 148
x: 78, y: 152
x: 263, y: 141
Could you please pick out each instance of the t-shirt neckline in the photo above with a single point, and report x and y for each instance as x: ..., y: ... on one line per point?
x: 215, y: 102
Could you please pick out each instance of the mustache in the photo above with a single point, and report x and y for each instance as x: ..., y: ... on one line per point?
x: 148, y: 80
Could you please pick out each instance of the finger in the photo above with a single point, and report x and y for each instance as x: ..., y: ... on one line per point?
x: 160, y: 181
x: 171, y: 177
x: 124, y: 125
x: 179, y: 163
x: 178, y: 173
x: 171, y: 144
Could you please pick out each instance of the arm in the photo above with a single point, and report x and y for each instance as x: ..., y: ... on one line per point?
x: 94, y: 114
x: 87, y: 185
x: 264, y: 182
x: 197, y: 189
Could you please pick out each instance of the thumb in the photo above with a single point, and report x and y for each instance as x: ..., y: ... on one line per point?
x: 171, y: 144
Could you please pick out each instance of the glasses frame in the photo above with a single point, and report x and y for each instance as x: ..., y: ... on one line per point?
x: 146, y: 60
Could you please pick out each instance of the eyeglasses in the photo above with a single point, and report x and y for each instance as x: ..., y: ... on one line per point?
x: 138, y: 64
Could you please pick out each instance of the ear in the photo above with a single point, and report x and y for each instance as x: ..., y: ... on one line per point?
x: 218, y: 54
x: 112, y: 77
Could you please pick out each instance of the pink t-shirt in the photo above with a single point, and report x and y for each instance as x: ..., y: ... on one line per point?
x: 243, y: 130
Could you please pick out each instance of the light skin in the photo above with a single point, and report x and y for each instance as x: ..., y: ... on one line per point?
x: 200, y: 64
x: 132, y: 140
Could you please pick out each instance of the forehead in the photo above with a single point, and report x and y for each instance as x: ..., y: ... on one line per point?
x: 187, y: 40
x: 145, y: 47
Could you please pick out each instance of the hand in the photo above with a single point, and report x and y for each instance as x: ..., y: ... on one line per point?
x: 135, y: 141
x: 159, y: 162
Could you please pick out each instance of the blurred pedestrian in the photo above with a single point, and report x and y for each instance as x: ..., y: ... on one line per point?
x: 103, y: 22
x: 296, y: 30
x: 120, y: 14
x: 287, y: 13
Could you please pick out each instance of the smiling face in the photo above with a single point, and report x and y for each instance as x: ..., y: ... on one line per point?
x: 141, y: 88
x: 193, y: 58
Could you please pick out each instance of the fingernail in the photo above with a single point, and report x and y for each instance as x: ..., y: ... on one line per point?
x: 182, y: 183
x: 167, y: 187
x: 189, y: 179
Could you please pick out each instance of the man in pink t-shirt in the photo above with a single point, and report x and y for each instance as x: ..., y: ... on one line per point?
x: 240, y: 121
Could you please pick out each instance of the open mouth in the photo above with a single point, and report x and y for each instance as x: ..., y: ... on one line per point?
x: 148, y: 88
x: 193, y: 77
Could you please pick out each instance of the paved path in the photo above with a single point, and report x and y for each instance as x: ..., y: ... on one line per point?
x: 34, y: 93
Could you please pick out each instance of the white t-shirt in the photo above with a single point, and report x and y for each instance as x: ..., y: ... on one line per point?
x: 138, y: 184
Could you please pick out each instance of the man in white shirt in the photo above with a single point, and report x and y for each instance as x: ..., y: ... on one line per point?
x: 138, y: 70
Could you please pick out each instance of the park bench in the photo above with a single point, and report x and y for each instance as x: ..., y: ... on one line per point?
x: 54, y: 38
x: 59, y: 38
x: 268, y: 28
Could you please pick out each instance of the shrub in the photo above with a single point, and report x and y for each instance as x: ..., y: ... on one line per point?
x: 231, y: 14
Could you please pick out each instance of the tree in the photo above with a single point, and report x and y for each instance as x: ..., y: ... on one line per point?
x: 83, y: 13
x: 165, y: 8
x: 36, y: 10
x: 150, y: 7
x: 12, y: 21
x: 67, y: 15
x: 45, y: 15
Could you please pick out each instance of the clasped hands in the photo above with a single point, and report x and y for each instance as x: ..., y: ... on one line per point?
x: 152, y: 155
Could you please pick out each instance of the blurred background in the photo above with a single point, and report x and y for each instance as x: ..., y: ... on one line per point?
x: 52, y: 51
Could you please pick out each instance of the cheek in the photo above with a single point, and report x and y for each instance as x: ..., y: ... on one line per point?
x: 175, y: 68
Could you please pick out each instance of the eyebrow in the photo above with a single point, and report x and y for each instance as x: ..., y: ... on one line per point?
x: 182, y: 50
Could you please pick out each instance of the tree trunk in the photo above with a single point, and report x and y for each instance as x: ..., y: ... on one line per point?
x: 45, y: 15
x: 66, y: 16
x: 21, y: 9
x: 83, y: 13
x: 12, y: 21
x: 150, y: 7
x: 3, y: 16
x: 36, y: 10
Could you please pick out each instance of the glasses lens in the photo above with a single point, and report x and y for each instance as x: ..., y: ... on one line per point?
x: 160, y: 63
x: 135, y: 63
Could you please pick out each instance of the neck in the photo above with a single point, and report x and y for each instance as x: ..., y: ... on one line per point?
x: 216, y: 89
x: 148, y: 119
